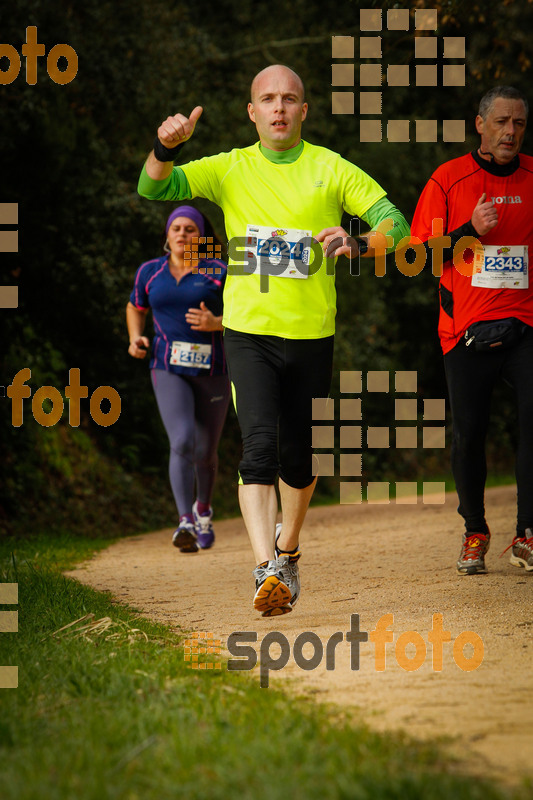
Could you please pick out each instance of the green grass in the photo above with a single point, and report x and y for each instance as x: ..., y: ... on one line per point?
x: 116, y: 713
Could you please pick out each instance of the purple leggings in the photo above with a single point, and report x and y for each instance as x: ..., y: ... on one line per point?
x: 193, y: 410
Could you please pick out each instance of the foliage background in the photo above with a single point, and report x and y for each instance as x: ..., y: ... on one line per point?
x: 70, y: 157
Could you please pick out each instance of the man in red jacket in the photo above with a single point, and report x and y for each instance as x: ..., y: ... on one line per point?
x: 486, y: 307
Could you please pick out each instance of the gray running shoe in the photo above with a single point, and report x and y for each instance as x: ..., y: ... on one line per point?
x: 472, y: 558
x: 288, y: 566
x: 522, y: 552
x: 204, y: 529
x: 184, y: 537
x: 272, y: 596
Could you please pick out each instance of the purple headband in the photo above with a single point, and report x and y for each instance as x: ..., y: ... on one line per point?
x: 191, y: 213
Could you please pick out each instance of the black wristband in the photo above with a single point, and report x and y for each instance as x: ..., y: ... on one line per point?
x: 163, y: 153
x: 362, y: 245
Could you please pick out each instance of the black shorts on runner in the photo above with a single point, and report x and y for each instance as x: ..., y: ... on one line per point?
x: 274, y: 381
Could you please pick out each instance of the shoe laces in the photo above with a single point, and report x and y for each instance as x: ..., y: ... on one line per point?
x: 523, y: 541
x: 263, y: 572
x: 289, y: 567
x: 473, y: 545
x: 205, y: 523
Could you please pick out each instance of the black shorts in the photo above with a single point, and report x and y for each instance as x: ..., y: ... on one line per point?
x: 274, y: 381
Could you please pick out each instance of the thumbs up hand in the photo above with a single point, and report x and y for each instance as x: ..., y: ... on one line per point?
x: 177, y: 129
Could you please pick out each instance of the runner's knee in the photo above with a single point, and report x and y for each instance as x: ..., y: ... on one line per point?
x: 260, y: 463
x: 297, y: 475
x: 182, y: 443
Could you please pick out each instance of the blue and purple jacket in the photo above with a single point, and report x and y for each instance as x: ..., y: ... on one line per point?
x: 156, y: 288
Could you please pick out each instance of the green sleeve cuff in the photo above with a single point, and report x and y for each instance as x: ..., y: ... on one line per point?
x: 175, y: 187
x: 384, y: 209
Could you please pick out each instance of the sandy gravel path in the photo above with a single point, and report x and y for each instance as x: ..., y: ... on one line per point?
x: 369, y: 560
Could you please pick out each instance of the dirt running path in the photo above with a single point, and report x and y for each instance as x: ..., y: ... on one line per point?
x: 371, y: 561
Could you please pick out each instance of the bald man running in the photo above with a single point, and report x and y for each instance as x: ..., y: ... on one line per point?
x: 279, y: 319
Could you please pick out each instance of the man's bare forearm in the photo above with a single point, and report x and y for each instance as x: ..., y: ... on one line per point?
x: 158, y: 170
